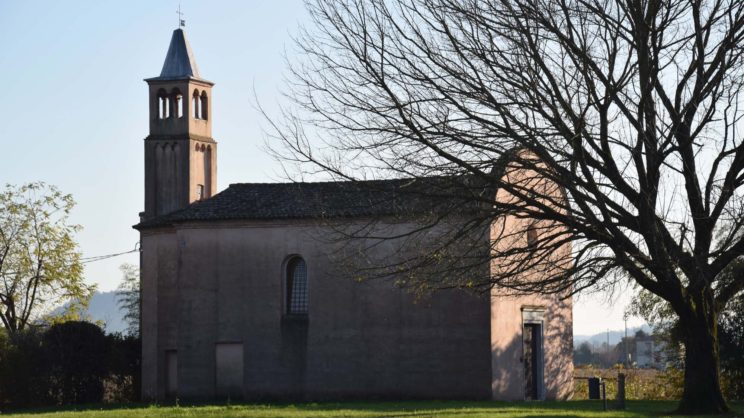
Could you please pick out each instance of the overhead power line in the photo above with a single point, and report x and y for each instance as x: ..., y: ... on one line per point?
x: 86, y: 260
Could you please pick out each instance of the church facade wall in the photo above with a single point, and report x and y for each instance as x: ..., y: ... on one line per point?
x: 359, y: 340
x: 512, y: 316
x: 508, y: 316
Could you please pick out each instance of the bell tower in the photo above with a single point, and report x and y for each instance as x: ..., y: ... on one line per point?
x: 180, y: 154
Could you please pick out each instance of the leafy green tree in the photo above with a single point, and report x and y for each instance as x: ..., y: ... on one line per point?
x: 128, y: 298
x: 668, y: 328
x: 583, y: 354
x: 731, y: 325
x: 39, y: 259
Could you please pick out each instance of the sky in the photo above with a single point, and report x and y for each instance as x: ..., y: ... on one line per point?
x: 74, y: 107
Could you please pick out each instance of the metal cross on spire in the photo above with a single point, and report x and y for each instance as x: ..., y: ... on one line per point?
x: 181, y: 21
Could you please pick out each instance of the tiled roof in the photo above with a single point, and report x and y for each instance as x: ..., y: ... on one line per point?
x: 263, y: 201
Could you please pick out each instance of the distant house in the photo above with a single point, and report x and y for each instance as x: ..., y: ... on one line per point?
x: 649, y: 353
x: 241, y: 299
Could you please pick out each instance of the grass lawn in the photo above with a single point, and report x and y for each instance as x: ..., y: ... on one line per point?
x: 368, y: 409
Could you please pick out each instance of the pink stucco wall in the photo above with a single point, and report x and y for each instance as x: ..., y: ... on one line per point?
x: 508, y: 307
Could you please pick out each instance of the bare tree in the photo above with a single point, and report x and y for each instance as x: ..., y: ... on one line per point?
x: 631, y: 108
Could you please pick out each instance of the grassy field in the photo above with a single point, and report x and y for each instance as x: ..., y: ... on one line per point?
x: 369, y: 409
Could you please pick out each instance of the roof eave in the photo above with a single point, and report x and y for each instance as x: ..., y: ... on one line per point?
x: 155, y: 80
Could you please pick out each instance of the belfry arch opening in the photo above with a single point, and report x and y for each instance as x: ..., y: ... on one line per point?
x: 163, y: 104
x: 177, y: 102
x: 195, y: 105
x: 204, y: 105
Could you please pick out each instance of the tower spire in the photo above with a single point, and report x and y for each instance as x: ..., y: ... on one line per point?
x: 179, y: 61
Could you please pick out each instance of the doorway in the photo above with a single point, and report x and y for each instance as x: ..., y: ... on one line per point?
x: 532, y: 355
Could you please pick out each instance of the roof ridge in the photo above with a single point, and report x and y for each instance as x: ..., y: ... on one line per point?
x: 399, y: 179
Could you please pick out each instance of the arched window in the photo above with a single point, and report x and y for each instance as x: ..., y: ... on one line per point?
x: 532, y: 236
x: 296, y: 286
x: 204, y: 105
x: 163, y: 107
x: 177, y: 102
x: 195, y: 105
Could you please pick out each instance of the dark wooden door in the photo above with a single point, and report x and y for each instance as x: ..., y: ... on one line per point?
x: 531, y: 337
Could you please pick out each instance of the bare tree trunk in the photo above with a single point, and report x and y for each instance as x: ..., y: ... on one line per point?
x: 702, y: 389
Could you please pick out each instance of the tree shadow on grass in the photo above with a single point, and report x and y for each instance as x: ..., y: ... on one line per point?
x: 571, y: 409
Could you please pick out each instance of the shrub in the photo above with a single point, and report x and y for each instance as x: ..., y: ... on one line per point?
x: 70, y: 362
x: 640, y: 384
x: 75, y: 354
x: 123, y: 364
x: 22, y: 377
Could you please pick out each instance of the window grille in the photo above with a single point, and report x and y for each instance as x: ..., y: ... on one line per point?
x: 297, y: 287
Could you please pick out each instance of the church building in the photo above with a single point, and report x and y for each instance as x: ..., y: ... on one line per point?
x: 242, y: 299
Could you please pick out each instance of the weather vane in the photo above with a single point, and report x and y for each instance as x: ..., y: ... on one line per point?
x: 181, y: 21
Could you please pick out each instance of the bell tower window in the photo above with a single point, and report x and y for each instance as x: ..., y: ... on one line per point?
x: 163, y: 105
x: 199, y: 191
x: 195, y: 102
x: 177, y: 103
x: 204, y: 105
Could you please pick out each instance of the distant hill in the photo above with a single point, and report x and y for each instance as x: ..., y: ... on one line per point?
x: 615, y: 336
x: 103, y: 307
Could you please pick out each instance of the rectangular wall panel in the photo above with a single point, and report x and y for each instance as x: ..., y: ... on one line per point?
x: 229, y: 369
